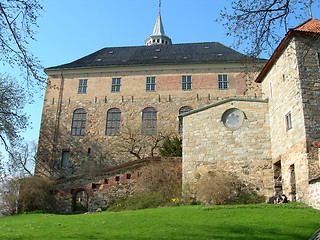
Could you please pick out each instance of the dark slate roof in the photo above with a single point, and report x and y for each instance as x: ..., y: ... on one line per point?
x: 188, y: 53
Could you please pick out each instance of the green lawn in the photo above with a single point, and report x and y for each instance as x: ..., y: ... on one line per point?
x: 278, y: 222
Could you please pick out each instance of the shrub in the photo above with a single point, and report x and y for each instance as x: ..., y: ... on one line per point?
x: 141, y: 201
x: 163, y: 177
x: 247, y: 197
x: 37, y: 193
x: 217, y: 188
x: 224, y: 188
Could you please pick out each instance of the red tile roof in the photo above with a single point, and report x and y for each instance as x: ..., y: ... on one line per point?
x: 310, y: 27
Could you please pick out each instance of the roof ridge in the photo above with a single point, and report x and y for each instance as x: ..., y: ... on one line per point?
x: 302, y: 24
x: 311, y: 25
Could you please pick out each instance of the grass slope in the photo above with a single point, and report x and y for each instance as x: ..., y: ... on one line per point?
x: 186, y: 222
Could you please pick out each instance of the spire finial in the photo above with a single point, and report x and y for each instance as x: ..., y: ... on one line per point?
x: 159, y: 5
x: 310, y: 8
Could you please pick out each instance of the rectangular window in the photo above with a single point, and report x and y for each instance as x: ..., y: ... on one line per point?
x: 318, y: 53
x: 288, y: 121
x: 187, y: 82
x: 65, y: 159
x: 223, y: 81
x: 116, y: 84
x: 150, y: 84
x: 82, y: 86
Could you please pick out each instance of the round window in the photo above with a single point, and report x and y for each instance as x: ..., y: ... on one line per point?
x: 233, y: 118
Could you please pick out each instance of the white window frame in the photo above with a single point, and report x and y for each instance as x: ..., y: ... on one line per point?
x: 150, y: 84
x: 115, y: 84
x: 186, y: 82
x: 82, y: 86
x: 223, y: 82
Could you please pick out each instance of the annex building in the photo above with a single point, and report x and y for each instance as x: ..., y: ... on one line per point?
x: 261, y: 127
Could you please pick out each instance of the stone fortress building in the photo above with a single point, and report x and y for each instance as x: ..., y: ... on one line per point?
x: 272, y: 142
x: 90, y: 102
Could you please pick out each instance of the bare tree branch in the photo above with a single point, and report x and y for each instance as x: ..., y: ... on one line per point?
x: 259, y: 25
x: 18, y: 18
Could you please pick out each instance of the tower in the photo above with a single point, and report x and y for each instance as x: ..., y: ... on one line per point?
x: 158, y: 35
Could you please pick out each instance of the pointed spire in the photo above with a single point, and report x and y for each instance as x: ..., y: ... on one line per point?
x: 158, y: 35
x: 158, y: 29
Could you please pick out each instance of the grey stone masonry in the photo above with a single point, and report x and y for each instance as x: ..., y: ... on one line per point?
x: 209, y: 145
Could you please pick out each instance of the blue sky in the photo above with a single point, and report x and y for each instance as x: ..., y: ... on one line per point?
x: 71, y: 29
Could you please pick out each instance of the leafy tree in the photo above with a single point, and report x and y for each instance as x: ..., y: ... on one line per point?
x: 257, y: 23
x: 171, y: 147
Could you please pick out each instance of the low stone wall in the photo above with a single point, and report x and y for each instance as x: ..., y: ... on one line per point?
x: 104, y: 186
x: 314, y: 193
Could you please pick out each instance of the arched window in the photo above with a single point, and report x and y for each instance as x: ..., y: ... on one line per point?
x: 78, y: 122
x: 113, y: 122
x: 183, y: 110
x: 149, y: 120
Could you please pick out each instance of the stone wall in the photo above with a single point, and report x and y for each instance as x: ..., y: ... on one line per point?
x: 106, y: 185
x: 309, y: 68
x: 208, y: 145
x: 292, y: 87
x: 282, y: 87
x: 314, y: 193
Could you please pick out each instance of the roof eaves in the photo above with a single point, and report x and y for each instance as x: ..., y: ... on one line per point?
x: 283, y: 44
x: 276, y: 54
x: 222, y: 102
x: 143, y: 64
